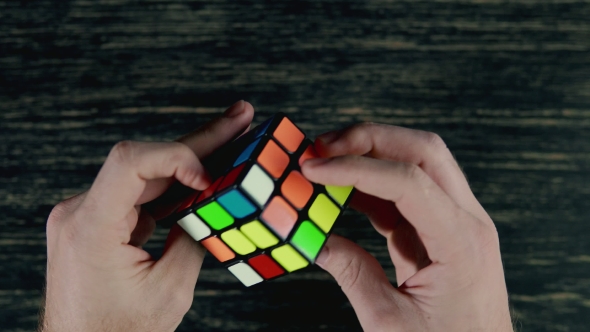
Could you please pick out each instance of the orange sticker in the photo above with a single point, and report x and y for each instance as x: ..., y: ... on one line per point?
x: 288, y: 135
x: 273, y: 159
x: 218, y: 249
x: 297, y: 189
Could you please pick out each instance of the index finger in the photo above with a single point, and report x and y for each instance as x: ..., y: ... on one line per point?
x: 206, y: 139
x: 123, y: 177
x: 439, y: 221
x: 424, y: 149
x: 202, y: 141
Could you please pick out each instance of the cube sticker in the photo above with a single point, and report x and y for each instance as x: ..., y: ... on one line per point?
x: 266, y: 266
x: 218, y: 249
x: 217, y: 217
x: 289, y: 258
x: 258, y: 185
x: 195, y: 227
x: 279, y: 216
x: 238, y: 242
x: 308, y: 239
x: 296, y: 189
x: 245, y: 274
x: 261, y: 217
x: 259, y: 235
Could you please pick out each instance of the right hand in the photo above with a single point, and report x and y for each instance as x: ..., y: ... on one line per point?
x: 443, y: 244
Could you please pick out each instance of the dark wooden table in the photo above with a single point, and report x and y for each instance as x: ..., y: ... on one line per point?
x: 506, y: 84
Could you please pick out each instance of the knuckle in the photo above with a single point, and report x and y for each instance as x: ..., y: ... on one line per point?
x: 439, y: 150
x: 358, y: 134
x: 414, y: 172
x: 63, y: 210
x: 415, y: 176
x: 187, y: 175
x: 435, y: 141
x: 442, y: 157
x: 193, y: 178
x: 123, y: 152
x: 55, y: 219
x: 361, y: 131
x: 179, y: 152
x: 58, y: 213
x: 364, y: 126
x: 61, y: 221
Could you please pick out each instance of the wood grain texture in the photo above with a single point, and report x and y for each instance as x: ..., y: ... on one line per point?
x: 505, y: 83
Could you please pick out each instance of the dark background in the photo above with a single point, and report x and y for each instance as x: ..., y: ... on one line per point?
x: 505, y: 83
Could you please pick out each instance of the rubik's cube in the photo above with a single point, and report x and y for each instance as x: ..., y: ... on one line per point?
x: 261, y: 217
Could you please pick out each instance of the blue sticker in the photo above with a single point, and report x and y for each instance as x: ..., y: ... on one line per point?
x: 246, y: 153
x: 261, y: 129
x: 238, y: 205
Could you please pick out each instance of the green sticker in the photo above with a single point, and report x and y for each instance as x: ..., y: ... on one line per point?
x: 339, y: 194
x: 308, y: 239
x: 215, y: 216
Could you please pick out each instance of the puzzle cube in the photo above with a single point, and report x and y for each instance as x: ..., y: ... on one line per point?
x: 261, y: 217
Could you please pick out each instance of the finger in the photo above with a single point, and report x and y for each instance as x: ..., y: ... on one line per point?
x: 156, y: 187
x: 383, y: 214
x: 181, y: 262
x: 361, y: 278
x: 122, y: 179
x: 56, y: 219
x: 406, y: 250
x: 425, y: 149
x: 208, y: 138
x: 439, y: 221
x: 203, y: 141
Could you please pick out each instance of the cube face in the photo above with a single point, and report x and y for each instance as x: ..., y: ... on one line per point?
x: 261, y: 217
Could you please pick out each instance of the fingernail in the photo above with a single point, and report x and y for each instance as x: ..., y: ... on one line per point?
x: 316, y: 162
x: 235, y: 109
x: 330, y: 137
x: 323, y: 256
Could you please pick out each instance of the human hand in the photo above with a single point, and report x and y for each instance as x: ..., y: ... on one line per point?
x: 98, y: 277
x: 443, y: 244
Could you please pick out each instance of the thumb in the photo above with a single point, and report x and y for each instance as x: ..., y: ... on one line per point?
x: 180, y: 264
x: 361, y: 278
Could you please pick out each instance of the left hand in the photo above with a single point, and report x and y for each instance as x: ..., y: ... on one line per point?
x: 98, y: 277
